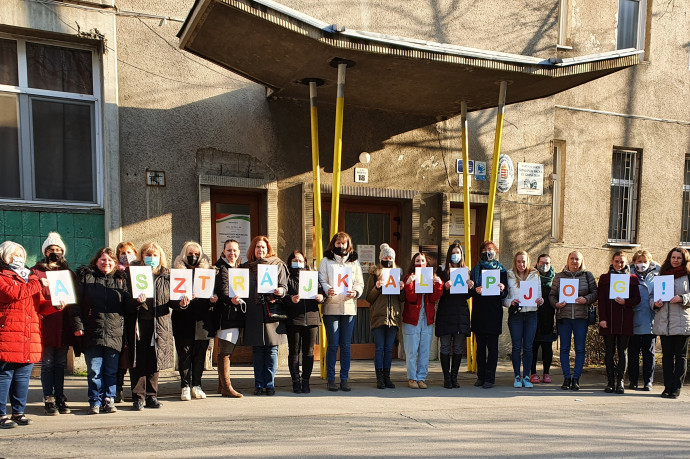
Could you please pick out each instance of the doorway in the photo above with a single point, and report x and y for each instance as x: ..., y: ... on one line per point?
x: 369, y: 222
x: 457, y: 227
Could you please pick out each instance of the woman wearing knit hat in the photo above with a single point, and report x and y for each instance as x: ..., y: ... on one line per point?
x: 56, y: 330
x: 384, y: 317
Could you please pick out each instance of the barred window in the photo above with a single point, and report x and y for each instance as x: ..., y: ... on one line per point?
x: 625, y: 176
x: 685, y: 226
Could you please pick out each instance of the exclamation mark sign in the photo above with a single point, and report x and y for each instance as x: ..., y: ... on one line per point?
x: 663, y: 288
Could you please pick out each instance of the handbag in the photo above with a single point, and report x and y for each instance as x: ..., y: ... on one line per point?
x: 592, y: 315
x: 274, y: 310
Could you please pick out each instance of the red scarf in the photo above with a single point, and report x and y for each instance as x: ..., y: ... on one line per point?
x: 676, y: 272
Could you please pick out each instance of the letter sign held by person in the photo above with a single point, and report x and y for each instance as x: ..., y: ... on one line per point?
x: 180, y: 284
x: 238, y: 282
x: 61, y: 287
x: 663, y: 288
x: 528, y: 295
x: 341, y: 280
x: 142, y: 281
x: 390, y: 278
x: 567, y: 292
x: 424, y: 280
x: 458, y: 280
x: 267, y: 278
x: 308, y: 284
x: 204, y: 282
x: 619, y: 286
x: 490, y: 280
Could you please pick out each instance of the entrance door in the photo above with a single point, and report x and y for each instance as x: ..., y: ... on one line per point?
x: 235, y: 215
x: 369, y: 223
x: 457, y: 228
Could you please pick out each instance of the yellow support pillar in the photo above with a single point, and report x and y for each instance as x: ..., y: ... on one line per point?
x: 471, y: 345
x: 494, y: 165
x: 318, y: 239
x: 338, y: 147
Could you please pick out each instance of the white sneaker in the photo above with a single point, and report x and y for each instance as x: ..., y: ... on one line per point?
x: 185, y: 395
x: 518, y: 382
x: 197, y: 392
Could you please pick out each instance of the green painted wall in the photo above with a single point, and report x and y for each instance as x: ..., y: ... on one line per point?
x: 83, y: 233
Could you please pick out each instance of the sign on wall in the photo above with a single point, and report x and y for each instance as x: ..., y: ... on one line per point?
x: 506, y: 174
x: 233, y: 226
x: 530, y: 179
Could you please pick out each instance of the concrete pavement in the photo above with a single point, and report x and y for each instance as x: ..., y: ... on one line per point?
x: 468, y: 421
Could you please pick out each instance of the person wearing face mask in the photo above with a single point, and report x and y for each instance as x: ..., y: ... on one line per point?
x: 546, y: 334
x: 102, y: 292
x: 672, y: 322
x: 148, y: 331
x: 452, y: 318
x: 384, y: 317
x: 56, y: 331
x: 229, y: 318
x: 193, y: 326
x: 616, y: 321
x: 21, y: 305
x: 522, y: 320
x: 487, y: 315
x: 418, y: 322
x: 126, y: 255
x: 643, y: 340
x: 302, y: 325
x: 573, y: 317
x: 339, y: 311
x: 262, y: 330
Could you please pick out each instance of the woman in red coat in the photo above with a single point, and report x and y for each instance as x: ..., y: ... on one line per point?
x: 21, y: 302
x: 418, y: 323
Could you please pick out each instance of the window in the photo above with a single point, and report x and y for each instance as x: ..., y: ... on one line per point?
x: 563, y: 13
x: 632, y: 19
x: 624, y: 196
x: 49, y: 144
x: 685, y: 224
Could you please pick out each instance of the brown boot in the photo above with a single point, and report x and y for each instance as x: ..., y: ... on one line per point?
x: 228, y: 390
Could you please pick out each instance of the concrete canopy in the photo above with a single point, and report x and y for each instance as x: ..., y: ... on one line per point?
x: 280, y: 48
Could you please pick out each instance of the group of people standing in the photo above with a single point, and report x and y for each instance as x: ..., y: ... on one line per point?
x: 117, y: 332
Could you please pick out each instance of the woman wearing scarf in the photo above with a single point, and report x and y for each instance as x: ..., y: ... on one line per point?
x: 644, y: 340
x: 672, y: 322
x: 487, y: 315
x: 522, y: 320
x: 21, y: 304
x: 573, y: 317
x: 616, y: 321
x: 546, y: 334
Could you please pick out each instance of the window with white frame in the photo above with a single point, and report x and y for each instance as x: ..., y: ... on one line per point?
x: 49, y: 135
x: 632, y: 19
x: 685, y: 224
x: 625, y: 175
x: 563, y: 14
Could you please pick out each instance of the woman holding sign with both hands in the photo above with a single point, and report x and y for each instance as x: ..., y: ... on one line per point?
x: 340, y: 276
x: 616, y: 317
x: 263, y: 328
x: 193, y: 325
x: 148, y: 331
x: 490, y: 280
x: 423, y: 289
x: 522, y: 318
x: 572, y: 304
x: 453, y: 315
x: 672, y: 321
x: 384, y: 313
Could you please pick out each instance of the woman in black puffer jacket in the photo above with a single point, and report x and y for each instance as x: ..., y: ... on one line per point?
x: 98, y: 318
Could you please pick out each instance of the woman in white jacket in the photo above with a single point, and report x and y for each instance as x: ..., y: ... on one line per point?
x: 522, y: 320
x: 339, y: 311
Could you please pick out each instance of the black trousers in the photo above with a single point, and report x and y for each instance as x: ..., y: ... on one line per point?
x: 144, y: 376
x: 641, y: 344
x: 612, y: 342
x: 674, y: 361
x: 487, y: 356
x: 191, y: 356
x: 546, y: 355
x: 301, y: 338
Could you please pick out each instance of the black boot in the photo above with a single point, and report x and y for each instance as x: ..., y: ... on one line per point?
x: 609, y: 384
x: 575, y: 385
x: 61, y: 403
x: 619, y: 386
x: 445, y: 366
x: 380, y: 384
x: 305, y: 386
x: 50, y: 407
x: 454, y: 368
x: 296, y: 386
x: 387, y: 378
x: 566, y: 383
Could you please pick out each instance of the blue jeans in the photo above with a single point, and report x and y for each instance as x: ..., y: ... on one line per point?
x: 523, y: 327
x: 577, y: 329
x: 14, y: 381
x: 101, y: 372
x: 338, y: 333
x: 265, y: 366
x: 417, y: 340
x: 384, y: 338
x: 53, y: 364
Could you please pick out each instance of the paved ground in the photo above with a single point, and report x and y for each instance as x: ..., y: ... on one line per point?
x: 503, y: 421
